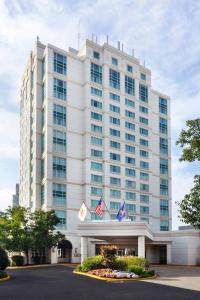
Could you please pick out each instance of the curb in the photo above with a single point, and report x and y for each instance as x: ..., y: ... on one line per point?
x: 114, y: 279
x: 43, y: 266
x: 5, y: 279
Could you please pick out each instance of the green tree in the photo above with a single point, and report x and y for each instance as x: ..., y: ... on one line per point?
x: 15, y: 230
x: 189, y: 141
x: 43, y: 231
x: 190, y: 205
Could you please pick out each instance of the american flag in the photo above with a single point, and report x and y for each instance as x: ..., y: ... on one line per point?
x: 100, y: 206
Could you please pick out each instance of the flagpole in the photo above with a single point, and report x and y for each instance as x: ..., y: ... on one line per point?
x: 106, y: 206
x: 87, y: 207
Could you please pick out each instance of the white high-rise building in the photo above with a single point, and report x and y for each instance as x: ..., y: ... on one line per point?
x: 92, y: 126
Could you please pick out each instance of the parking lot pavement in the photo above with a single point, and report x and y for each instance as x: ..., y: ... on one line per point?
x: 59, y: 282
x: 178, y: 276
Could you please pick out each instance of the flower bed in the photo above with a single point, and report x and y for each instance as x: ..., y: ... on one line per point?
x: 109, y: 273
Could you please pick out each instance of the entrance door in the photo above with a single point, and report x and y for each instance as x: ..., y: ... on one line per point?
x: 64, y: 251
x: 163, y: 254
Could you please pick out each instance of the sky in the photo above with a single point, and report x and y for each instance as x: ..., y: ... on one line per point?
x: 164, y: 33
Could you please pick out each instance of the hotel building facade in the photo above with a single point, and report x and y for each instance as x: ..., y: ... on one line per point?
x: 91, y: 125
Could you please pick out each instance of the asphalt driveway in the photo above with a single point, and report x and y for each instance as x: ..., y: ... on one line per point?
x: 59, y: 282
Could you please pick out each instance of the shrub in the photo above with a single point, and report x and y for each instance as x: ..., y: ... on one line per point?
x: 4, y: 261
x: 17, y: 260
x: 137, y: 261
x: 79, y: 268
x: 36, y: 260
x: 92, y: 263
x: 135, y: 269
x: 3, y: 274
x: 120, y: 264
x: 149, y: 273
x: 108, y: 253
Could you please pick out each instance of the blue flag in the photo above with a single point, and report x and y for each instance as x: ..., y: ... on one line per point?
x: 121, y: 213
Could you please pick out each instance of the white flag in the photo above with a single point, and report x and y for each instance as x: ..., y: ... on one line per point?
x: 82, y: 212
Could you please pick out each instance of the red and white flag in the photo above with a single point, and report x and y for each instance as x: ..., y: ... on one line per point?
x: 100, y: 207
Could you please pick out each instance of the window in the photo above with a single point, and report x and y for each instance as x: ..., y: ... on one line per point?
x: 130, y: 184
x: 62, y: 216
x: 114, y: 121
x: 60, y: 63
x: 144, y: 131
x: 59, y: 141
x: 96, y: 128
x: 129, y: 137
x: 144, y: 143
x: 143, y: 109
x: 163, y: 146
x: 129, y: 125
x: 129, y: 102
x: 96, y: 73
x: 114, y: 97
x: 144, y: 187
x: 143, y: 93
x: 130, y: 207
x: 130, y: 172
x: 115, y: 169
x: 164, y: 225
x: 59, y: 167
x: 164, y: 187
x: 130, y: 196
x: 144, y: 210
x: 144, y: 176
x: 96, y: 153
x: 164, y: 208
x: 129, y: 68
x: 96, y: 191
x: 43, y: 117
x: 129, y: 85
x: 42, y: 194
x: 163, y: 125
x: 144, y: 165
x: 42, y: 143
x: 96, y: 141
x: 96, y: 55
x: 96, y: 116
x: 143, y: 76
x: 42, y: 168
x: 94, y: 203
x: 96, y: 104
x: 129, y: 114
x: 143, y: 120
x: 115, y: 156
x: 114, y: 205
x: 43, y: 92
x: 114, y: 79
x: 114, y: 61
x: 59, y: 89
x: 96, y: 178
x: 114, y: 144
x: 96, y: 166
x: 115, y: 109
x: 114, y: 132
x: 59, y: 194
x: 144, y: 198
x: 143, y: 219
x: 115, y: 193
x: 94, y: 216
x: 59, y: 115
x: 163, y: 166
x: 162, y: 106
x: 115, y: 181
x: 130, y: 160
x: 96, y: 92
x: 129, y: 149
x: 144, y: 153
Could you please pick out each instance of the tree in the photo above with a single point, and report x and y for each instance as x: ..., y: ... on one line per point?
x: 190, y: 205
x: 189, y: 140
x: 15, y: 230
x: 43, y: 231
